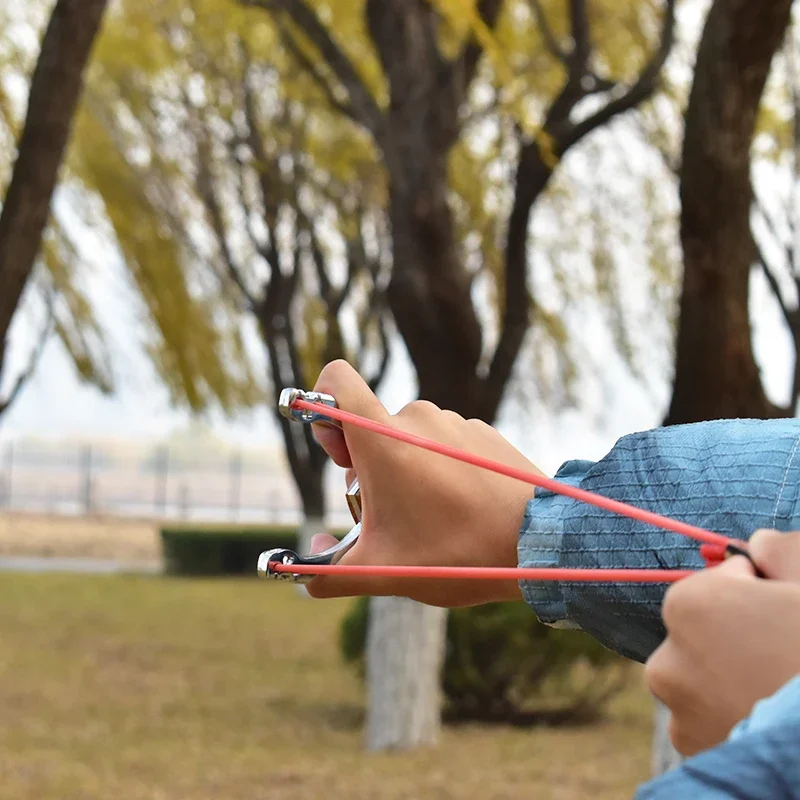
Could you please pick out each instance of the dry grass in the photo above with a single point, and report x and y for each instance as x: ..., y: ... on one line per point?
x: 127, y: 540
x: 165, y: 689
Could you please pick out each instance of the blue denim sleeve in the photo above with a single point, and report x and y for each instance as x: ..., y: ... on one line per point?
x: 763, y: 765
x: 730, y: 476
x: 758, y: 762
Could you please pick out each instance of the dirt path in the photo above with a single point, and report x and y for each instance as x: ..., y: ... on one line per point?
x: 123, y: 540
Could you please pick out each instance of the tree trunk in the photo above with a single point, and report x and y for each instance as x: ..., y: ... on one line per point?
x: 309, y: 482
x: 405, y: 653
x: 430, y: 291
x: 429, y: 294
x: 716, y: 375
x: 55, y: 89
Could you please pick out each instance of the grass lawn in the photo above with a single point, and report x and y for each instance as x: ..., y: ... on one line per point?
x: 141, y: 687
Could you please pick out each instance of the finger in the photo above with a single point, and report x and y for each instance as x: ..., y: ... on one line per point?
x: 662, y: 673
x: 777, y: 554
x: 682, y: 734
x: 330, y: 586
x: 320, y: 542
x: 352, y: 394
x: 666, y: 674
x: 735, y: 566
x: 331, y: 440
x: 349, y: 477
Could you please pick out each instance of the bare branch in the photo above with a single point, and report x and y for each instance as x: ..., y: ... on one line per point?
x: 788, y: 314
x: 326, y: 288
x: 581, y: 38
x: 386, y: 352
x: 247, y: 207
x: 353, y: 269
x: 644, y: 87
x: 357, y: 263
x: 313, y: 69
x: 204, y: 184
x: 265, y: 178
x: 364, y: 107
x: 787, y: 247
x: 533, y: 173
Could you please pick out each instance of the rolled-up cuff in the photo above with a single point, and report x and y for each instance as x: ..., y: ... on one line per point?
x: 539, y: 545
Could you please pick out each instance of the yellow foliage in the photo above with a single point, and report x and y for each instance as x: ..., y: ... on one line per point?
x: 161, y: 67
x: 165, y: 69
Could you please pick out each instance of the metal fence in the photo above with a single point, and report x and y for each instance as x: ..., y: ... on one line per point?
x: 155, y: 481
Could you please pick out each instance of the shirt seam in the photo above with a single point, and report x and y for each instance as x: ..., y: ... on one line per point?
x: 783, y: 483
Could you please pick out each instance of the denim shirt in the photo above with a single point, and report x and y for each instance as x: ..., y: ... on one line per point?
x: 760, y: 760
x: 730, y: 476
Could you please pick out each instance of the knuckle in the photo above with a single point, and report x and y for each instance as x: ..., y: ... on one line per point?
x: 419, y: 409
x: 672, y: 607
x: 684, y: 600
x: 479, y: 424
x: 661, y: 676
x: 656, y: 675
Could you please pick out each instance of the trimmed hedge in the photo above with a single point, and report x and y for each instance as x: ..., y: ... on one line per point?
x: 221, y: 550
x: 503, y: 666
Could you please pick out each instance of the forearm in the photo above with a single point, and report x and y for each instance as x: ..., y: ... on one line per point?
x: 732, y: 477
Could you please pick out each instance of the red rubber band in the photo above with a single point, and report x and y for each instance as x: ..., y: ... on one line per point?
x: 491, y: 573
x: 606, y: 503
x: 712, y: 549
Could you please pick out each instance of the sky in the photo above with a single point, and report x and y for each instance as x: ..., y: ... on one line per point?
x: 56, y: 405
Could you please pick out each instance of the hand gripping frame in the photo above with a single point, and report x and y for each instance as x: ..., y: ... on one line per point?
x: 353, y: 495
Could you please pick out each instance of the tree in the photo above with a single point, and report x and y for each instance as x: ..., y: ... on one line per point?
x: 429, y: 63
x: 716, y: 375
x: 265, y: 213
x: 775, y: 223
x: 55, y: 90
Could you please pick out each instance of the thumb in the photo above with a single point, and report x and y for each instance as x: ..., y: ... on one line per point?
x: 777, y: 554
x: 352, y: 394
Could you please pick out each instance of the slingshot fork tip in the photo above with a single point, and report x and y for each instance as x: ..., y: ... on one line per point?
x: 286, y: 408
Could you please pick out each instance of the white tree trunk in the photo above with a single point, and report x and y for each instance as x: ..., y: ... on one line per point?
x: 405, y: 654
x: 310, y: 527
x: 665, y: 756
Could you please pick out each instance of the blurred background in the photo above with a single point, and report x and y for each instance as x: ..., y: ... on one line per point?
x: 573, y: 219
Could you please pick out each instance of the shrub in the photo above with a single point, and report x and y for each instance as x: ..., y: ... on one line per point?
x: 503, y: 666
x: 221, y: 550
